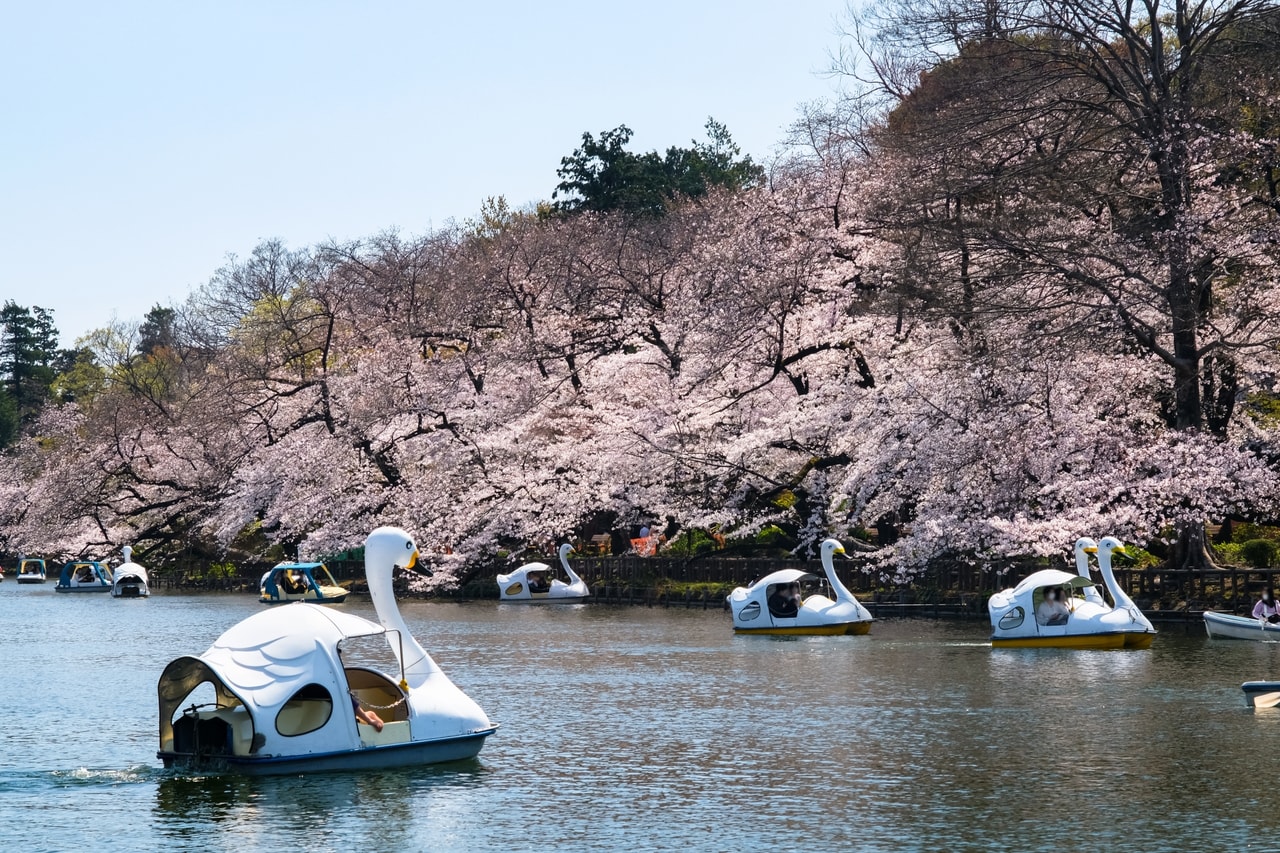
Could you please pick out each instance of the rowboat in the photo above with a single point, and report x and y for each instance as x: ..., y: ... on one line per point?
x: 1230, y: 626
x: 1261, y: 694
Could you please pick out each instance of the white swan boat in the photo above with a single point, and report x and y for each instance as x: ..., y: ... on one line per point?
x: 1220, y: 625
x: 767, y: 606
x: 532, y: 583
x: 300, y: 582
x: 1018, y: 615
x: 284, y: 700
x: 84, y: 576
x: 131, y: 580
x: 31, y: 570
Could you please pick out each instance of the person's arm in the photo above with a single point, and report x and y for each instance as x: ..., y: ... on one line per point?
x: 369, y: 718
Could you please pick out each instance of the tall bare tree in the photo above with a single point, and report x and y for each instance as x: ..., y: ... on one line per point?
x: 1118, y: 158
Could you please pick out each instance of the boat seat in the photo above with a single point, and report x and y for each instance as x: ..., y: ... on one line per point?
x: 237, y: 719
x: 299, y: 716
x: 397, y: 732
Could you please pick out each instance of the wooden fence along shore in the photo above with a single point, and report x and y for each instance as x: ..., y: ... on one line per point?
x: 950, y: 591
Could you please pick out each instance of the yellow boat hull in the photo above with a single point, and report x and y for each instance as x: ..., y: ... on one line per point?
x: 1118, y: 640
x: 811, y: 630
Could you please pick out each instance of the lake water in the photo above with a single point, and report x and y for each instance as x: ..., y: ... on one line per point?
x: 651, y: 729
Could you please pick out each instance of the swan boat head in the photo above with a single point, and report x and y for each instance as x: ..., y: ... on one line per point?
x: 1083, y: 548
x: 1126, y: 612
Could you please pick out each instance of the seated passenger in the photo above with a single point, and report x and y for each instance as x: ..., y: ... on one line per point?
x: 293, y: 582
x: 84, y: 574
x: 1052, y: 611
x: 784, y: 601
x: 369, y: 718
x: 538, y: 582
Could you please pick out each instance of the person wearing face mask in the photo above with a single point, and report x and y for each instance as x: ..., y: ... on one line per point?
x: 1266, y: 609
x: 1053, y: 610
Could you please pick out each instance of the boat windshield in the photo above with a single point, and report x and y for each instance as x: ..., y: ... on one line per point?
x: 323, y: 576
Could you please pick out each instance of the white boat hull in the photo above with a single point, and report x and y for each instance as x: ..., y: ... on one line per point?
x: 410, y: 754
x: 1228, y: 626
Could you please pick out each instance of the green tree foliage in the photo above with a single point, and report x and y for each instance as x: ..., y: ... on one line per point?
x: 157, y: 331
x: 8, y: 419
x: 81, y: 380
x: 30, y: 360
x: 603, y: 176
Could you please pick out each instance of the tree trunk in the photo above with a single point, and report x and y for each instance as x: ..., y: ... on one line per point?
x: 1191, y: 551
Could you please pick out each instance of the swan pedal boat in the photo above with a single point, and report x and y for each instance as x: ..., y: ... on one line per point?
x: 31, y: 570
x: 816, y: 615
x: 1090, y: 623
x: 284, y: 696
x: 1228, y: 625
x: 317, y: 584
x: 84, y: 576
x: 515, y: 587
x: 131, y: 579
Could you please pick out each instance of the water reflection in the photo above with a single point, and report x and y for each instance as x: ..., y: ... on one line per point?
x: 641, y: 728
x: 306, y: 809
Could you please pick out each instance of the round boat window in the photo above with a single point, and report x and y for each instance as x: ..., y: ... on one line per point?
x: 1012, y: 619
x: 307, y: 710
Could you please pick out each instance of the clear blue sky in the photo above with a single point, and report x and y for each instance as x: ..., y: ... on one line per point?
x: 143, y: 143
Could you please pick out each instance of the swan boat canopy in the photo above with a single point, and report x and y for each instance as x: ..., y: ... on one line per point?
x: 532, y: 583
x: 1022, y: 618
x: 284, y: 700
x: 31, y: 570
x: 84, y: 576
x: 131, y: 579
x: 300, y: 582
x: 772, y: 604
x: 1220, y: 625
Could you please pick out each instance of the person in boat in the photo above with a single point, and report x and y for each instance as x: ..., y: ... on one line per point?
x: 293, y: 582
x: 538, y: 582
x: 369, y: 718
x: 784, y: 601
x: 1053, y: 610
x: 84, y: 574
x: 1266, y: 610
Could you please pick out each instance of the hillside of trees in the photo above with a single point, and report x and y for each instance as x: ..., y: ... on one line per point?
x: 1025, y: 286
